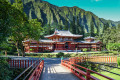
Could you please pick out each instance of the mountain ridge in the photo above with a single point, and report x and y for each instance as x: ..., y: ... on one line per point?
x: 51, y: 14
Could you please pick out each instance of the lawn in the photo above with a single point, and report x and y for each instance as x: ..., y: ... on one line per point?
x: 116, y: 77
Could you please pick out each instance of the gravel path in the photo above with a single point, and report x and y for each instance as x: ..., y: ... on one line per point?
x: 54, y: 71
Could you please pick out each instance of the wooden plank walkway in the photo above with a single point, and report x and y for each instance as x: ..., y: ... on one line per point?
x: 54, y: 71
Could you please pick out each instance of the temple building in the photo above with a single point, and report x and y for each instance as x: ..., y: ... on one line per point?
x: 62, y: 41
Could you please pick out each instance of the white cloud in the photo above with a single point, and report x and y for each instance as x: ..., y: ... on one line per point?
x: 95, y: 0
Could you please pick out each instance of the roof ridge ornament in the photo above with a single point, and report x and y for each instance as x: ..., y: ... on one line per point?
x: 56, y: 31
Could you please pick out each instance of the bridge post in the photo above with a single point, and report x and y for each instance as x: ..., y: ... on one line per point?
x: 43, y: 58
x: 62, y: 58
x: 88, y: 75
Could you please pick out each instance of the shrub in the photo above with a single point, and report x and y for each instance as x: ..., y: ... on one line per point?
x: 5, y: 71
x: 85, y: 49
x: 118, y: 61
x: 60, y: 54
x: 67, y: 55
x: 46, y: 51
x: 74, y: 55
x: 115, y: 53
x: 48, y: 55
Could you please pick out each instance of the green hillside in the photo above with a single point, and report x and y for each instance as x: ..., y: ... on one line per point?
x: 60, y: 17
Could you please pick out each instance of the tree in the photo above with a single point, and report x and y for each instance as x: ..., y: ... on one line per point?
x: 73, y: 26
x: 98, y: 28
x: 35, y: 29
x: 111, y: 35
x: 118, y: 26
x: 92, y: 29
x: 5, y: 71
x: 66, y: 25
x: 5, y: 46
x: 78, y: 28
x: 20, y: 28
x: 60, y: 27
x: 105, y: 27
x: 18, y: 5
x: 82, y: 31
x: 113, y: 46
x: 6, y: 19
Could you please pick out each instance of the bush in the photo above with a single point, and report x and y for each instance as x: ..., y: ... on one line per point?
x: 85, y: 49
x: 118, y: 61
x: 115, y: 53
x: 48, y: 55
x: 74, y: 55
x: 46, y: 51
x: 5, y: 71
x: 67, y: 55
x: 60, y: 54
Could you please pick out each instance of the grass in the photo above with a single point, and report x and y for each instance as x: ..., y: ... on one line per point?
x: 72, y: 54
x: 116, y: 77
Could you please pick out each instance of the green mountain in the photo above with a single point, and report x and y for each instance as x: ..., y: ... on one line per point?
x: 54, y: 15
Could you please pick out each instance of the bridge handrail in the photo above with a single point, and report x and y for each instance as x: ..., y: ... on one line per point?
x: 94, y: 72
x: 77, y: 70
x: 105, y: 59
x: 20, y: 63
x: 33, y: 65
x: 37, y: 72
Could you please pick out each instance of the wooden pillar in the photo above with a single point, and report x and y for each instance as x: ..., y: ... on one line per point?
x: 100, y: 48
x: 95, y: 49
x: 41, y: 46
x: 37, y: 46
x: 29, y: 47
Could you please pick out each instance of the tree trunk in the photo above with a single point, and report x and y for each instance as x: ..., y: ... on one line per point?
x: 22, y: 50
x: 16, y: 44
x: 5, y: 52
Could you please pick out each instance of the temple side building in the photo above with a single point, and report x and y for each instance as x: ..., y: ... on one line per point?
x: 62, y: 41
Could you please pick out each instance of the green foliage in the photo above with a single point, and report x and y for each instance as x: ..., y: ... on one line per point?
x: 105, y: 27
x: 98, y: 28
x: 46, y: 51
x: 21, y: 28
x: 118, y: 61
x: 18, y: 5
x: 50, y: 14
x: 73, y: 26
x: 113, y: 46
x: 48, y: 29
x: 67, y: 55
x: 35, y: 29
x: 66, y: 25
x: 92, y: 33
x: 110, y: 35
x: 60, y: 54
x: 85, y: 49
x: 7, y: 19
x: 5, y: 46
x: 5, y: 71
x: 118, y: 26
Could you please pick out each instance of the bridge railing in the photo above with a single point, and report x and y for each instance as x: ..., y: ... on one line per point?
x: 75, y: 69
x: 104, y: 59
x: 37, y: 72
x: 33, y: 72
x: 20, y: 63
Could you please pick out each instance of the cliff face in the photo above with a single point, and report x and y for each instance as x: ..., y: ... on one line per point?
x: 51, y: 14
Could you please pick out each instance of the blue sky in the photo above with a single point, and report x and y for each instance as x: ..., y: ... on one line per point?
x: 107, y: 9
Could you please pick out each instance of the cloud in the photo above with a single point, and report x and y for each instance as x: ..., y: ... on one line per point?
x: 95, y: 0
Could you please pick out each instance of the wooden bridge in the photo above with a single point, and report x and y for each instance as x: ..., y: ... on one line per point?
x: 56, y: 69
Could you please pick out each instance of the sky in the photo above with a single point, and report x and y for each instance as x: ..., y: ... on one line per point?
x: 107, y: 9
